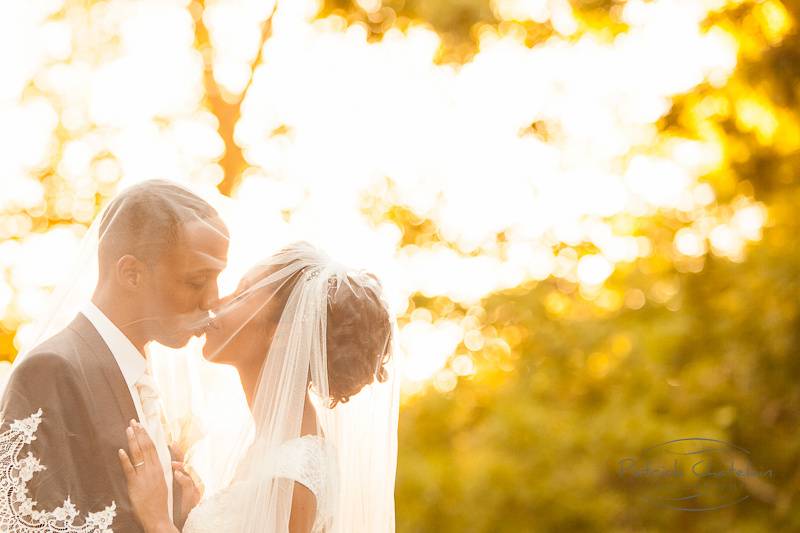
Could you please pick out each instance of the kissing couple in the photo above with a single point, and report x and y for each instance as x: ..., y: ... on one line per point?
x: 84, y: 442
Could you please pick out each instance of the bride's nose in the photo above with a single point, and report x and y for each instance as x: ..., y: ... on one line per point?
x: 219, y: 305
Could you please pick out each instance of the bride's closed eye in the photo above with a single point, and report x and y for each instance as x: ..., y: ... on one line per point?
x: 242, y: 292
x: 240, y: 296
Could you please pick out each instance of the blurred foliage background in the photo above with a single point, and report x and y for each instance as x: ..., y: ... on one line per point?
x: 545, y: 341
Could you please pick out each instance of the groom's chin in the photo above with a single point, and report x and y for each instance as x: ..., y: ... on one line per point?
x: 176, y: 341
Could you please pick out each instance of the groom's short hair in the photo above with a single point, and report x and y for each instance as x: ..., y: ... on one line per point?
x: 145, y: 220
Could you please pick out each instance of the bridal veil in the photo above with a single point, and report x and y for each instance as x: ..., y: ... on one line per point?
x: 331, y: 340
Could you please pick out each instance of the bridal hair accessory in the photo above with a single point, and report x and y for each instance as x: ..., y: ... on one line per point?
x: 313, y: 273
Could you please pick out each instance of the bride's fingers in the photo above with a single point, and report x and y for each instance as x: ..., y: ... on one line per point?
x: 133, y: 445
x: 127, y: 467
x: 186, y: 474
x: 183, y: 480
x: 146, y: 445
x: 177, y: 453
x: 177, y: 466
x: 180, y: 472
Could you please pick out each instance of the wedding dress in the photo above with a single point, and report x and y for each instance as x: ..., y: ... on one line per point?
x: 307, y: 460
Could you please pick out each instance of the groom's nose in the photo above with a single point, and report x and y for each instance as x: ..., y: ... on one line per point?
x: 210, y: 297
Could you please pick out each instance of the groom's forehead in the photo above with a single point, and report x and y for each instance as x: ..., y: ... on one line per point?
x: 204, y: 244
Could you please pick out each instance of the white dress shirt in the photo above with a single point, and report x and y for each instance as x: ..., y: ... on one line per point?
x: 133, y: 366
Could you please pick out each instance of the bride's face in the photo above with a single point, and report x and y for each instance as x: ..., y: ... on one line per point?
x: 240, y: 332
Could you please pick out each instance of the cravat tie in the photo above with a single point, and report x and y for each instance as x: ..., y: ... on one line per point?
x: 154, y: 421
x: 151, y: 405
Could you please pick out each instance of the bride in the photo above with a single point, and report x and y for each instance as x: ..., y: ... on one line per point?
x: 312, y: 343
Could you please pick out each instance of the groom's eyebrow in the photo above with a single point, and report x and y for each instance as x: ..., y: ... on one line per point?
x: 207, y: 270
x: 207, y: 263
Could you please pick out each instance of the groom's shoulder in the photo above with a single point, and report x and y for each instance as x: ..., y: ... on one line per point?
x: 38, y: 375
x: 42, y: 367
x: 44, y: 360
x: 54, y: 355
x: 44, y: 378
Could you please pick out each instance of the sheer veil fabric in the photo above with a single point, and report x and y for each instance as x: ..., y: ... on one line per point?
x: 355, y: 398
x: 325, y: 337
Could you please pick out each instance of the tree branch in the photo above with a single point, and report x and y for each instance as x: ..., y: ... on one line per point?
x: 228, y: 112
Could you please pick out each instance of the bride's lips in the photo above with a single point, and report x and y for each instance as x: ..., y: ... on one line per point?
x: 199, y: 327
x: 213, y: 324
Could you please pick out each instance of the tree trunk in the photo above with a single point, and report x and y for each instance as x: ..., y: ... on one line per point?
x: 228, y: 111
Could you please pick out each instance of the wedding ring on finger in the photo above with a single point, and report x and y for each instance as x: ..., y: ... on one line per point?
x: 137, y: 465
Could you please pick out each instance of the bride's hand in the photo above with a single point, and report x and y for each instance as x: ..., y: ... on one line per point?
x: 146, y: 486
x: 191, y: 490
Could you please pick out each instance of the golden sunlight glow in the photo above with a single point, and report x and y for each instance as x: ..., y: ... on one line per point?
x: 774, y: 19
x: 558, y: 12
x: 594, y: 269
x: 428, y: 347
x: 689, y: 242
x: 328, y: 117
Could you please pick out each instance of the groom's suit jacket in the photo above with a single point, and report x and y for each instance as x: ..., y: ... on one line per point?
x: 86, y: 406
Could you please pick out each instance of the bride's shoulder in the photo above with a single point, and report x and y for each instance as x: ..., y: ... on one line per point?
x: 307, y: 459
x: 306, y: 450
x: 308, y: 443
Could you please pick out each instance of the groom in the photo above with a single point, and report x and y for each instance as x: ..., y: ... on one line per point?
x: 160, y: 251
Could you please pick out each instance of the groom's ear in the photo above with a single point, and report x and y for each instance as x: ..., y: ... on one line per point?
x: 130, y: 272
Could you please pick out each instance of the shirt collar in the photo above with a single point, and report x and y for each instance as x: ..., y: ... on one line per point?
x: 131, y: 362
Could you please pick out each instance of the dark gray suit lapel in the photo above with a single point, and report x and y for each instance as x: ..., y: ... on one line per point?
x: 114, y: 432
x: 105, y: 360
x: 110, y: 407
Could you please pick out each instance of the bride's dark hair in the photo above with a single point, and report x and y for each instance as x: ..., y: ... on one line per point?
x: 359, y: 332
x: 358, y: 339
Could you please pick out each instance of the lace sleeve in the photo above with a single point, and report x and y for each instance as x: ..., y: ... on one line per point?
x: 17, y: 512
x: 49, y: 462
x: 303, y: 460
